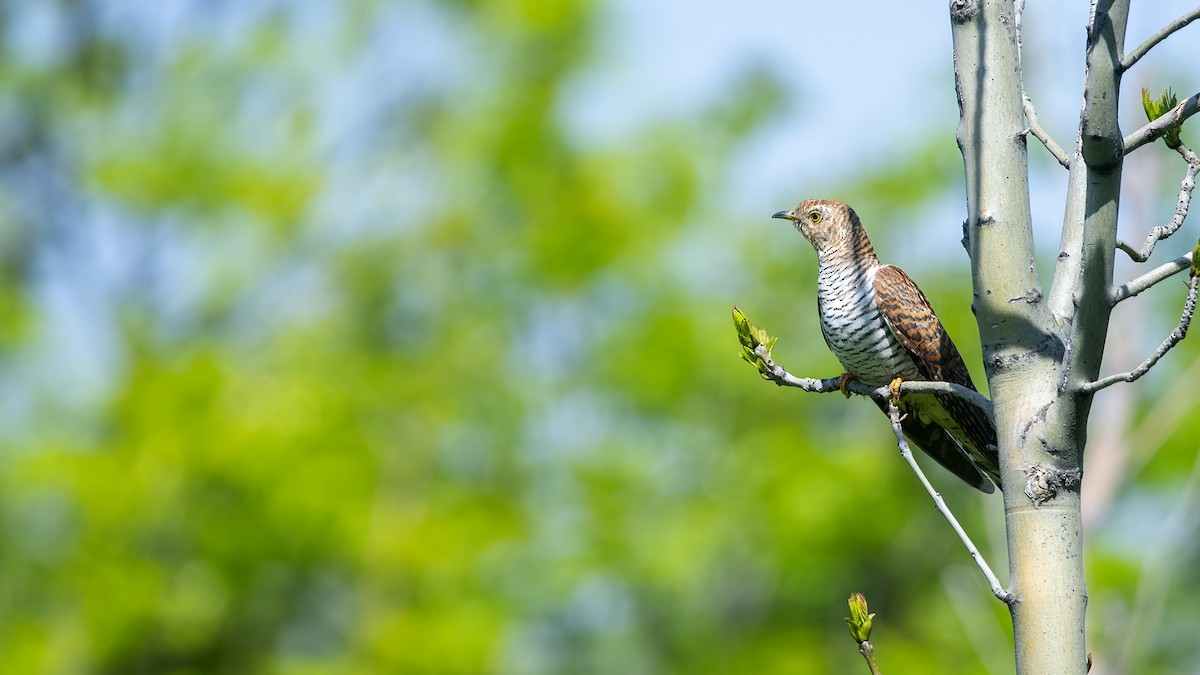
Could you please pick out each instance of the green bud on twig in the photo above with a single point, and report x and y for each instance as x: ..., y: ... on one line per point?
x: 1156, y: 108
x: 751, y: 337
x: 859, y: 620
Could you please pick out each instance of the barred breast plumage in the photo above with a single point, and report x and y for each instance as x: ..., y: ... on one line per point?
x: 853, y: 327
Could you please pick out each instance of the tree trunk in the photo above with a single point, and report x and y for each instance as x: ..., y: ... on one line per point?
x: 1037, y: 350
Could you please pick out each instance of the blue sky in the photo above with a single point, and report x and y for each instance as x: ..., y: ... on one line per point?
x: 866, y: 76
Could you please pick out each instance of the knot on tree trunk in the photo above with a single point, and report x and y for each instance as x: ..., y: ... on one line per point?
x: 963, y: 11
x: 1043, y: 483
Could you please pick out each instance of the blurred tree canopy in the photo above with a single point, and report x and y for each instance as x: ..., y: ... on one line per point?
x: 328, y: 346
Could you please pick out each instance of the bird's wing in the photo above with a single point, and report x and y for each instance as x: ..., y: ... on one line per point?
x: 911, y: 319
x: 932, y: 437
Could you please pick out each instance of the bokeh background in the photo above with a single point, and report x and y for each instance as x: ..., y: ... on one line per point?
x: 394, y: 337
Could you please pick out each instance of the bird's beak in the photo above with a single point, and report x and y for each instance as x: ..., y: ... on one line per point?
x: 786, y: 215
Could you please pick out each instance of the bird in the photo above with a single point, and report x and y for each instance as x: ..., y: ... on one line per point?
x: 880, y: 326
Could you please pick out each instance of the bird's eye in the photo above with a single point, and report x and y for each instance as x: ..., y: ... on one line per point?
x: 814, y: 217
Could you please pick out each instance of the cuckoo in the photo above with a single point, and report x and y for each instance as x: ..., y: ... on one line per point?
x: 881, y: 328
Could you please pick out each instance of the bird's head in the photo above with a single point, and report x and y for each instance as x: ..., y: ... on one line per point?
x: 827, y: 225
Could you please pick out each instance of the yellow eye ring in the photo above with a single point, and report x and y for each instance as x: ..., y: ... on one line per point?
x: 814, y: 217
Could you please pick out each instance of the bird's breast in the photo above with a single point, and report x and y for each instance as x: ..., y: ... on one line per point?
x: 854, y: 328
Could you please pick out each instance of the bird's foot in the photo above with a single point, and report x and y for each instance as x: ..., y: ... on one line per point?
x: 843, y: 381
x: 896, y: 390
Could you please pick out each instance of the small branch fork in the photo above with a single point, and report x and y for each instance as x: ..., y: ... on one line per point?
x: 1173, y: 339
x: 1161, y: 232
x: 776, y: 373
x: 1135, y: 55
x: 997, y: 589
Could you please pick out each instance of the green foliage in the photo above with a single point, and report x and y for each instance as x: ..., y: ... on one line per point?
x: 1156, y: 108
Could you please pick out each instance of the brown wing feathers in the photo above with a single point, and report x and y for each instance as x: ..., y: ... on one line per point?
x: 910, y: 317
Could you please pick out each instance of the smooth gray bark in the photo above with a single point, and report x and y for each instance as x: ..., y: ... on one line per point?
x: 1037, y: 350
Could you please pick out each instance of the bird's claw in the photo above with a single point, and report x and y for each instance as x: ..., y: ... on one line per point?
x: 896, y: 390
x: 843, y: 381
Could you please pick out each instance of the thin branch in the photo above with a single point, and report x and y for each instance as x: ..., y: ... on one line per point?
x: 1154, y: 276
x: 1161, y: 232
x: 1172, y: 118
x: 997, y: 589
x: 868, y: 651
x: 1189, y: 307
x: 1133, y: 56
x: 1040, y: 133
x: 775, y: 373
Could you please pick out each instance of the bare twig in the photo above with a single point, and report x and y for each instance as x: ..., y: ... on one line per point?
x: 1040, y: 133
x: 775, y: 373
x: 1154, y: 276
x: 1161, y: 232
x: 1133, y: 56
x: 1172, y: 118
x: 868, y: 651
x: 1031, y: 118
x: 1189, y: 307
x: 997, y: 589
